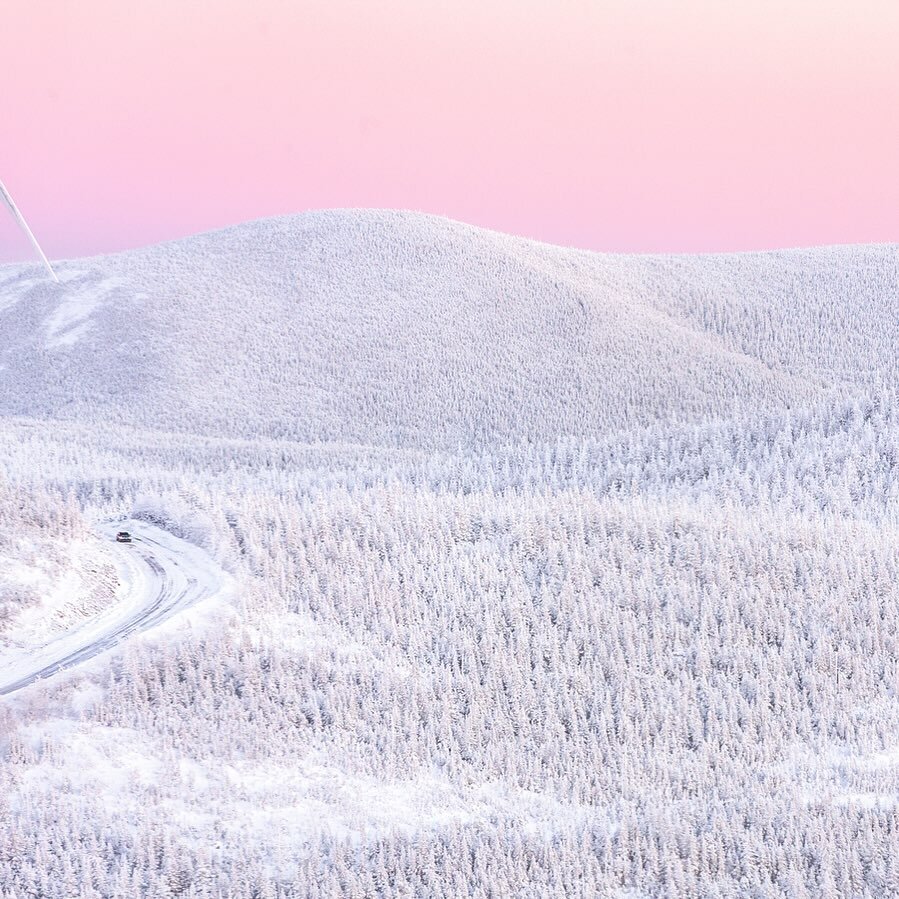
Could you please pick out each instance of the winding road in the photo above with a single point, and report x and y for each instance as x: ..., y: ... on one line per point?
x: 160, y: 576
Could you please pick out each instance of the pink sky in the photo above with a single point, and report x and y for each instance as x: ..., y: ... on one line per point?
x: 613, y: 124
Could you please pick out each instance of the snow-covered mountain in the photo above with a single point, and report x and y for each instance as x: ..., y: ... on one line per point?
x: 392, y: 328
x: 554, y: 574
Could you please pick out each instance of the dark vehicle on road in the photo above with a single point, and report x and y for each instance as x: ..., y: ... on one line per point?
x: 123, y: 537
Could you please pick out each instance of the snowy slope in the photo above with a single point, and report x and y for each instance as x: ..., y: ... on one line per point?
x: 393, y: 328
x: 556, y: 574
x: 159, y: 576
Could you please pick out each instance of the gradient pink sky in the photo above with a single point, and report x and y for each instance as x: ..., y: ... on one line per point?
x: 638, y: 125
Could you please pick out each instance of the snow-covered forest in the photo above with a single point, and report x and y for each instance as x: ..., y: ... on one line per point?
x: 558, y: 574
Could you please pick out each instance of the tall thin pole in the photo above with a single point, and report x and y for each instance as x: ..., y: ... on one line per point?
x: 11, y: 205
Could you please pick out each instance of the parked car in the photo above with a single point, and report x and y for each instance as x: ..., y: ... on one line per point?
x: 123, y: 537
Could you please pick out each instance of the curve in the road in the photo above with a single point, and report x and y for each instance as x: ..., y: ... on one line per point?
x: 162, y: 575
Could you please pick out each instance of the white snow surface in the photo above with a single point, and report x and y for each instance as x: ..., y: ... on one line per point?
x: 400, y: 329
x: 85, y: 585
x: 160, y: 578
x: 547, y: 573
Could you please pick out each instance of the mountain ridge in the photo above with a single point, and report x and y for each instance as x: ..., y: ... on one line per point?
x: 404, y: 329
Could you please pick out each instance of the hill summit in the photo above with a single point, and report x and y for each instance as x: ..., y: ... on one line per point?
x: 402, y: 329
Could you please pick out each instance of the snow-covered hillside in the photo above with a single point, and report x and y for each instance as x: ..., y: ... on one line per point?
x: 396, y: 329
x: 555, y: 574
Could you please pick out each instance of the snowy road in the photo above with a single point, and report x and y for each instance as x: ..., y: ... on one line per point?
x: 160, y: 575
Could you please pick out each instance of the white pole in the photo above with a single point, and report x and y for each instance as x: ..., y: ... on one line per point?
x: 10, y: 204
